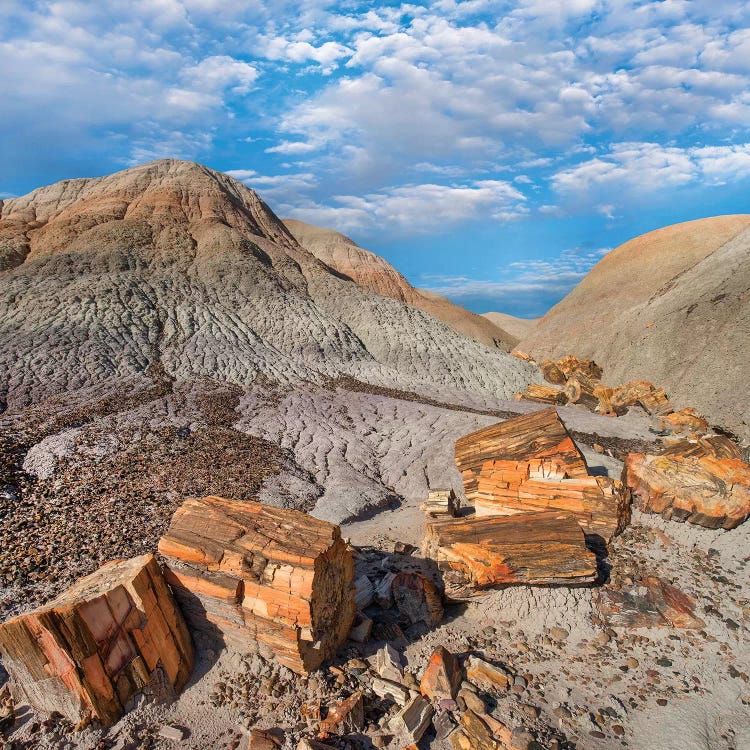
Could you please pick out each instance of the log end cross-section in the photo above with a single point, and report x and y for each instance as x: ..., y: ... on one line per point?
x: 88, y: 652
x: 260, y: 574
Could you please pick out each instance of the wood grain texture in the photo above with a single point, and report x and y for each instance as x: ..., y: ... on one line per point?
x: 537, y: 435
x: 88, y: 652
x: 530, y: 548
x: 261, y: 573
x: 708, y: 491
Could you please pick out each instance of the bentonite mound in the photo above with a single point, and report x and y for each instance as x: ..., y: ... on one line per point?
x: 373, y: 273
x: 671, y: 306
x: 173, y: 263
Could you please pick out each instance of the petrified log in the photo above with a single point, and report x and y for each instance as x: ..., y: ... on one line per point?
x: 417, y: 598
x: 440, y: 503
x: 600, y: 504
x: 605, y: 402
x: 572, y: 366
x: 685, y: 422
x: 475, y: 553
x: 543, y: 394
x: 552, y: 373
x: 579, y: 389
x: 716, y: 446
x: 653, y: 400
x: 707, y: 491
x: 540, y: 435
x: 259, y: 573
x: 86, y: 653
x: 650, y: 602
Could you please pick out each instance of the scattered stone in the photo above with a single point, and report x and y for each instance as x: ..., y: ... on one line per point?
x: 363, y: 593
x: 361, y: 629
x: 412, y: 721
x: 178, y: 734
x: 388, y: 664
x: 344, y: 717
x: 443, y: 675
x: 441, y: 503
x: 487, y: 677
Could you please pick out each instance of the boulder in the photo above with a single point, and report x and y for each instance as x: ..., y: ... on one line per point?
x: 90, y: 650
x: 475, y: 553
x: 707, y: 491
x: 252, y: 573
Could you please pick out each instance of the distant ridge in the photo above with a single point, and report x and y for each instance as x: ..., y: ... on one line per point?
x: 518, y: 327
x: 671, y: 306
x: 375, y: 274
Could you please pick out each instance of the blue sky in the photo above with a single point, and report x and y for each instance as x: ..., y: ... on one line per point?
x: 492, y: 151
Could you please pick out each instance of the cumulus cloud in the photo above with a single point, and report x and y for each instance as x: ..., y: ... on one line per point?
x: 221, y: 72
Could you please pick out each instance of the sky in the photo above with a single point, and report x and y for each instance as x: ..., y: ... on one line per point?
x: 493, y: 151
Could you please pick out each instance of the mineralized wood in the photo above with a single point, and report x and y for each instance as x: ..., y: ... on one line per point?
x: 88, y: 652
x: 579, y: 389
x: 653, y: 400
x: 254, y: 572
x: 685, y: 422
x: 552, y: 373
x: 708, y: 491
x: 716, y: 446
x: 649, y: 603
x: 543, y: 394
x: 530, y: 548
x: 443, y: 675
x: 538, y: 435
x: 571, y: 365
x: 440, y: 503
x: 600, y: 504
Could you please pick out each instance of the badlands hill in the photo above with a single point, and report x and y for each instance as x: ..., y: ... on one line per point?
x: 375, y: 274
x: 518, y: 327
x: 671, y: 306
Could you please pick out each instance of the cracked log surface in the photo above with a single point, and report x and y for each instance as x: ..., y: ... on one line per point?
x: 258, y: 573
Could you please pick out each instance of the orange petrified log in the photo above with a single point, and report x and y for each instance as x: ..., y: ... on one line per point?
x: 530, y: 548
x: 653, y: 400
x: 708, y: 491
x: 685, y: 422
x: 540, y: 435
x: 600, y: 504
x: 259, y: 573
x: 543, y: 394
x: 89, y: 651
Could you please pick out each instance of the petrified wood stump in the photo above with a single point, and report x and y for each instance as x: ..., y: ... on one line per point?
x: 540, y: 435
x: 89, y: 651
x: 708, y: 491
x: 265, y: 574
x: 601, y: 504
x: 530, y: 548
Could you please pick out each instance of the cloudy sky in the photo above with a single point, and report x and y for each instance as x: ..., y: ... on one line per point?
x: 491, y: 150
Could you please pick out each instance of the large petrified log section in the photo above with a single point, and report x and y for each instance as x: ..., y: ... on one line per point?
x: 530, y: 548
x: 262, y: 574
x: 540, y: 435
x: 600, y: 504
x: 89, y: 651
x: 708, y: 491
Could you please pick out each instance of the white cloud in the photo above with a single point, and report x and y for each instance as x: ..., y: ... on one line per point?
x: 220, y: 72
x: 419, y: 208
x: 647, y: 167
x: 326, y: 55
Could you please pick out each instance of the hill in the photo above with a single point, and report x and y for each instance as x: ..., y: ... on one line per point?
x: 375, y: 274
x: 518, y: 327
x: 671, y: 306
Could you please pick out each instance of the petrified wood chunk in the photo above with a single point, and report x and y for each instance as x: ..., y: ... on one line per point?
x: 707, y: 491
x: 540, y: 435
x: 531, y: 548
x: 543, y: 394
x: 440, y: 503
x: 716, y: 446
x: 552, y: 373
x: 443, y: 675
x: 571, y: 366
x: 601, y: 504
x: 649, y: 603
x: 685, y: 422
x: 653, y: 400
x: 89, y: 651
x: 265, y: 574
x: 579, y: 389
x: 417, y: 598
